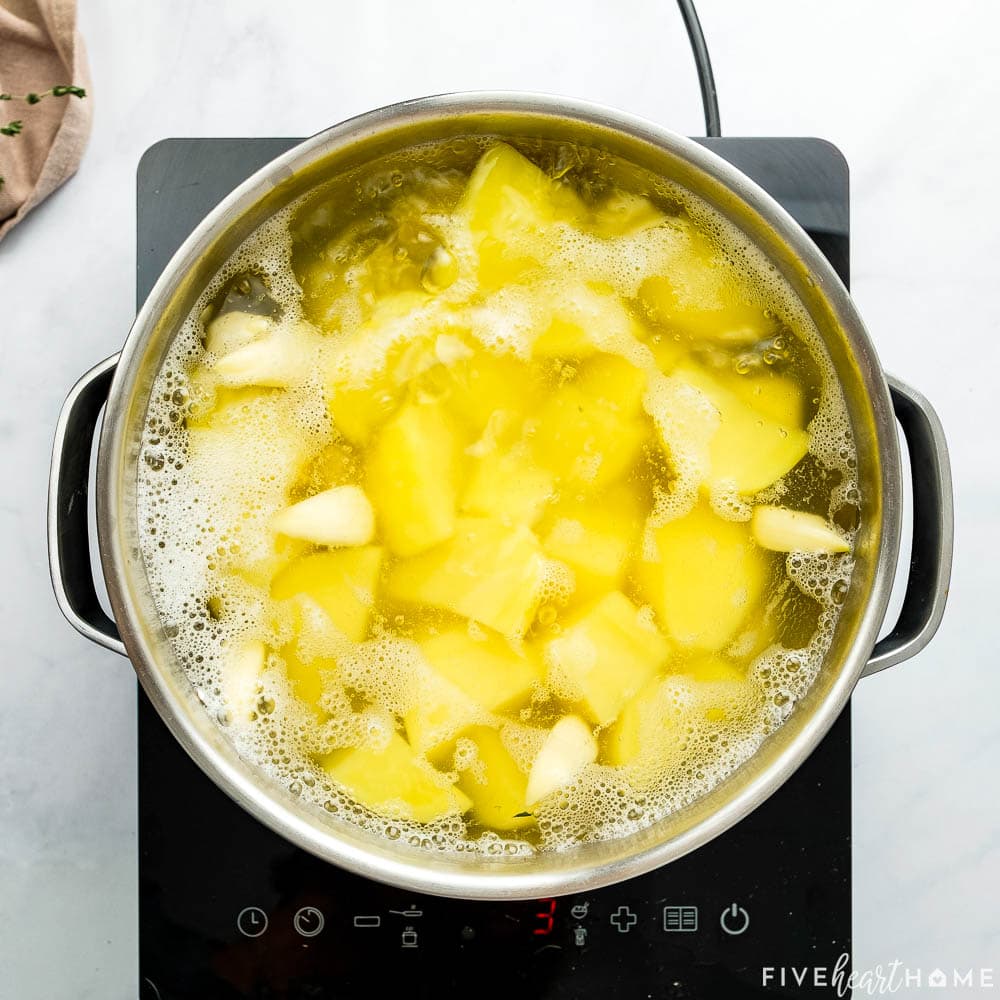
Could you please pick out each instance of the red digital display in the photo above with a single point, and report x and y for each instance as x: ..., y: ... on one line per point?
x: 545, y: 915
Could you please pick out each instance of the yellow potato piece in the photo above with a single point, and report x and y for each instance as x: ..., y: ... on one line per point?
x: 614, y: 379
x: 495, y: 784
x: 594, y: 537
x: 358, y: 413
x: 708, y: 576
x: 488, y: 383
x: 722, y: 689
x: 440, y: 714
x: 341, y: 581
x: 277, y: 360
x: 306, y: 677
x: 487, y: 669
x: 233, y: 330
x: 471, y: 678
x: 508, y: 485
x: 387, y: 353
x: 625, y: 214
x: 510, y: 205
x: 647, y: 730
x: 748, y: 451
x: 412, y: 476
x: 776, y: 397
x: 590, y: 430
x: 697, y: 298
x: 488, y: 571
x: 584, y: 318
x: 507, y: 193
x: 394, y: 782
x: 607, y: 652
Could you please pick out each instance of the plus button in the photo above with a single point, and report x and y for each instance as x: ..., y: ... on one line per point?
x: 624, y: 919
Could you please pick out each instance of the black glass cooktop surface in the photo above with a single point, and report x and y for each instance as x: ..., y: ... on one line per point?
x: 229, y: 910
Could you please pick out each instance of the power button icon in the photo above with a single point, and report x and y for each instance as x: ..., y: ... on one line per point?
x: 734, y: 920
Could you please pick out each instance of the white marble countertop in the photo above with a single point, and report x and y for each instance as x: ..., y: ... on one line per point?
x: 908, y: 91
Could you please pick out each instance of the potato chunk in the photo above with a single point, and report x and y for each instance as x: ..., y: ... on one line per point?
x: 607, y: 653
x: 624, y: 214
x: 233, y: 330
x: 341, y: 581
x: 487, y: 669
x: 487, y: 571
x: 748, y: 451
x: 507, y: 484
x: 590, y: 430
x: 412, y: 478
x: 487, y: 384
x: 775, y: 397
x: 708, y: 576
x: 648, y: 735
x: 510, y: 206
x: 495, y: 784
x: 696, y: 298
x: 583, y: 319
x: 306, y: 677
x: 507, y: 194
x: 786, y: 530
x: 441, y: 712
x: 395, y: 783
x: 594, y: 538
x: 470, y: 678
x: 358, y: 413
x: 722, y: 690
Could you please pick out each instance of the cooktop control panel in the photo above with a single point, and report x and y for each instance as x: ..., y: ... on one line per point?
x: 229, y: 910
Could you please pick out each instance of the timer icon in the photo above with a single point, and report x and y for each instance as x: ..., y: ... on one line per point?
x: 308, y: 922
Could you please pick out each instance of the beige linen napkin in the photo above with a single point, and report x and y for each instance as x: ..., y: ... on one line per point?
x: 40, y: 48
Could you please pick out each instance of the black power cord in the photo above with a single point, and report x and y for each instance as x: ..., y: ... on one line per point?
x: 709, y: 96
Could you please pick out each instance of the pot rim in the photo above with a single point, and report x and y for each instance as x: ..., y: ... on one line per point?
x: 238, y: 783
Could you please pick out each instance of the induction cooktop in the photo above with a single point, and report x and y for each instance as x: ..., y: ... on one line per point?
x: 228, y: 909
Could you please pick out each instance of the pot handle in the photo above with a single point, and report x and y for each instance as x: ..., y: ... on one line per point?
x: 68, y: 531
x: 933, y: 531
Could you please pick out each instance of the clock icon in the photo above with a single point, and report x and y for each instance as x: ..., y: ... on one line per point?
x: 251, y: 922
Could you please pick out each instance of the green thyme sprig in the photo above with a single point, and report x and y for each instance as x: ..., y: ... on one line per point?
x: 62, y: 90
x: 16, y: 127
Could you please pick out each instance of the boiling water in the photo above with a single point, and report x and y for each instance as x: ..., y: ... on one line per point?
x: 220, y: 459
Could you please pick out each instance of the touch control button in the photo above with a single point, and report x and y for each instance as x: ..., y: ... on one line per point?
x: 251, y: 922
x: 308, y: 922
x: 734, y: 920
x: 624, y: 919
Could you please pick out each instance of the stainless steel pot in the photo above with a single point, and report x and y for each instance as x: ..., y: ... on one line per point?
x: 122, y: 384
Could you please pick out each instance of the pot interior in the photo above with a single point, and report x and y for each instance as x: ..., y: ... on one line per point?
x: 624, y: 142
